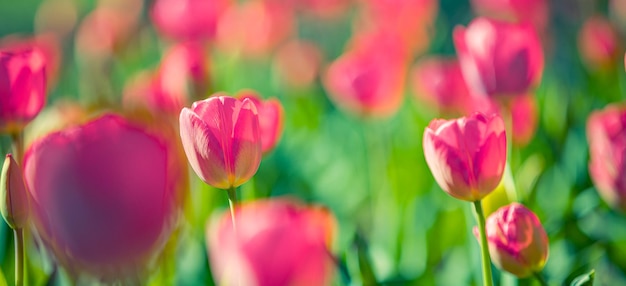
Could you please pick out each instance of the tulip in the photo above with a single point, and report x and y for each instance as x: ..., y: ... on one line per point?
x: 517, y: 241
x: 22, y: 87
x: 105, y: 195
x: 182, y: 66
x: 439, y: 82
x: 277, y: 242
x: 598, y: 43
x: 103, y: 32
x: 606, y: 133
x: 466, y: 155
x: 298, y: 63
x: 368, y: 80
x: 222, y: 140
x: 533, y: 11
x: 14, y: 196
x: 498, y: 58
x: 188, y: 19
x: 271, y: 117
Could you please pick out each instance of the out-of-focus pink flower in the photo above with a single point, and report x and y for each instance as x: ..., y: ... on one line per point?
x: 222, y: 140
x: 254, y: 28
x: 466, y: 155
x: 143, y: 91
x: 48, y: 44
x: 103, y: 31
x: 271, y: 117
x: 517, y: 241
x: 298, y: 63
x: 368, y: 79
x: 533, y: 11
x: 105, y: 195
x: 598, y: 43
x: 277, y: 242
x: 524, y: 116
x: 606, y: 133
x: 22, y: 87
x: 499, y: 58
x: 14, y: 197
x: 439, y: 82
x: 188, y: 19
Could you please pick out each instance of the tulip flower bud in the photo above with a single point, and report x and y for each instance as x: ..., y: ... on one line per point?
x: 271, y: 117
x: 222, y: 140
x: 466, y: 155
x: 517, y: 241
x: 13, y: 193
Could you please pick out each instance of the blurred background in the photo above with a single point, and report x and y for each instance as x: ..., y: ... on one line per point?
x: 369, y: 171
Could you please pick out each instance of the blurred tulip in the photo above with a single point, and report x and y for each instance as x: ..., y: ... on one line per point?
x: 222, y: 140
x: 298, y: 63
x: 143, y: 91
x: 466, y: 155
x: 598, y: 43
x: 105, y: 195
x: 368, y: 80
x: 606, y: 133
x: 22, y: 87
x: 50, y: 47
x: 254, y: 28
x: 13, y: 193
x: 517, y: 241
x: 271, y: 118
x: 184, y: 70
x: 524, y: 116
x: 533, y: 11
x: 188, y: 19
x: 498, y: 58
x: 439, y: 82
x: 277, y: 242
x: 103, y: 32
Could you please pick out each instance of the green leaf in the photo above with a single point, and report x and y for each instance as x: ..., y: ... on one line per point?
x: 584, y: 279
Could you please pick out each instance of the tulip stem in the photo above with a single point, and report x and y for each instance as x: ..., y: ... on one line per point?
x: 540, y: 278
x: 232, y: 201
x: 19, y: 256
x: 18, y: 146
x: 486, y: 260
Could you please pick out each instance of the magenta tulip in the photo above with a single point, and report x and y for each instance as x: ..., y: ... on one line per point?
x: 222, y: 140
x: 606, y: 133
x: 466, y: 155
x: 188, y: 19
x: 277, y: 242
x: 517, y: 241
x: 22, y: 87
x: 105, y: 195
x: 271, y: 117
x: 499, y: 58
x: 598, y: 43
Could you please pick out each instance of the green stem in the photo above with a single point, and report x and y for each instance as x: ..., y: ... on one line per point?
x: 540, y: 278
x: 486, y: 261
x: 232, y: 201
x: 18, y: 147
x: 19, y: 257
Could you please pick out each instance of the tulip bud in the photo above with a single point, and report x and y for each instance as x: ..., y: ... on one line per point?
x: 222, y: 140
x: 517, y: 241
x: 466, y: 155
x: 295, y: 236
x: 271, y: 117
x: 14, y: 204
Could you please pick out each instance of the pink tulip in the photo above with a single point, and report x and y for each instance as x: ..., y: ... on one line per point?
x: 498, y: 58
x: 271, y: 118
x: 277, y: 242
x: 183, y: 65
x: 517, y: 241
x: 439, y: 82
x: 524, y: 116
x: 14, y: 197
x: 598, y: 43
x: 368, y: 80
x: 606, y: 133
x: 103, y: 32
x: 466, y: 155
x: 188, y: 19
x: 533, y: 11
x: 105, y: 195
x: 22, y: 87
x: 222, y: 140
x: 298, y: 63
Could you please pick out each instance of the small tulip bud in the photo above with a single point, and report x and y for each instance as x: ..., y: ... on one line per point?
x: 14, y: 205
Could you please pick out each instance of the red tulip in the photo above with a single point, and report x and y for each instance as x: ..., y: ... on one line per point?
x: 517, y: 241
x: 222, y: 140
x: 277, y: 242
x: 298, y: 63
x: 14, y: 203
x: 606, y: 133
x: 188, y: 19
x: 368, y: 80
x: 533, y: 11
x: 439, y: 82
x: 466, y: 155
x: 498, y: 58
x: 271, y: 117
x: 598, y: 43
x: 22, y: 87
x: 105, y: 195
